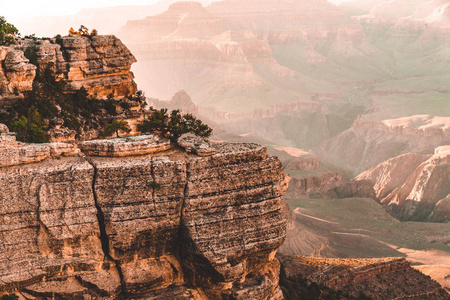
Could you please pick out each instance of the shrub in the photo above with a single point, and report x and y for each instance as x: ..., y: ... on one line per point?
x: 110, y: 107
x: 30, y: 129
x: 175, y: 125
x: 7, y: 32
x: 10, y: 297
x: 115, y: 126
x: 58, y: 39
x: 31, y: 54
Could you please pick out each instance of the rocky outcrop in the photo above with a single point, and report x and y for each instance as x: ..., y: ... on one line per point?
x: 181, y: 100
x: 375, y: 141
x: 101, y: 64
x: 4, y: 128
x: 16, y: 73
x: 14, y: 153
x: 312, y: 184
x: 309, y: 179
x: 414, y: 186
x: 194, y: 144
x: 305, y: 161
x: 129, y: 146
x: 386, y: 278
x: 154, y: 226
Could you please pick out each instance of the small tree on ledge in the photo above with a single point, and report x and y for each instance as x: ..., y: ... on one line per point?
x: 115, y: 126
x: 175, y: 125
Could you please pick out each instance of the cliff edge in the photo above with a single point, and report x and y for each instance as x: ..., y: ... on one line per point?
x: 159, y: 223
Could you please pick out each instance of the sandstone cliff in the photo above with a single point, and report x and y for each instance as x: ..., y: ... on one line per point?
x: 100, y: 64
x: 414, y: 186
x: 162, y: 225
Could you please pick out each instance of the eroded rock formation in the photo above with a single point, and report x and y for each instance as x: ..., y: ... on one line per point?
x: 16, y: 73
x: 375, y: 141
x: 101, y: 64
x: 414, y: 186
x: 156, y: 226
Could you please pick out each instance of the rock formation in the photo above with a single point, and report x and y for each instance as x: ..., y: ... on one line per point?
x: 310, y: 179
x: 210, y: 51
x: 414, y: 186
x: 375, y: 141
x: 356, y: 279
x: 16, y: 73
x: 181, y: 100
x: 100, y: 64
x: 163, y: 225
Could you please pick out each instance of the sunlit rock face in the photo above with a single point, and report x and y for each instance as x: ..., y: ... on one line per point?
x: 16, y: 73
x: 100, y: 64
x: 414, y: 186
x: 155, y: 226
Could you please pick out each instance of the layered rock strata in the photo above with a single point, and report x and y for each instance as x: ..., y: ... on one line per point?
x: 101, y: 64
x: 375, y: 141
x: 414, y: 186
x: 155, y: 226
x: 380, y: 278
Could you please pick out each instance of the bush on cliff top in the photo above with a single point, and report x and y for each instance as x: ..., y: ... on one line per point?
x: 115, y: 126
x: 174, y: 125
x: 7, y: 32
x: 30, y: 129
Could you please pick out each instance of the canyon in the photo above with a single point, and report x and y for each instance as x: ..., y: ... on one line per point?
x: 342, y: 72
x: 334, y: 91
x: 139, y: 218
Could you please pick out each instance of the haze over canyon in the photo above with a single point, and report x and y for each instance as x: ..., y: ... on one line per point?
x: 329, y: 163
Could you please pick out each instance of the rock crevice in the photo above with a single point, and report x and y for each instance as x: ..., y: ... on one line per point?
x: 104, y: 239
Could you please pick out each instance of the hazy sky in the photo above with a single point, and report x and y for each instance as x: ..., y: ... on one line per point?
x: 19, y: 9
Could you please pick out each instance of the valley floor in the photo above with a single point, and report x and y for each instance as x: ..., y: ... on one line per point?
x: 359, y: 227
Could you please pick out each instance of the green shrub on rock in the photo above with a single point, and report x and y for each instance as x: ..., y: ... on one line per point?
x: 173, y: 126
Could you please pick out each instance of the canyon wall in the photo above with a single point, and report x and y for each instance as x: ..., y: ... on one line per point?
x: 101, y: 64
x: 166, y: 224
x: 414, y: 186
x: 373, y: 142
x: 264, y: 67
